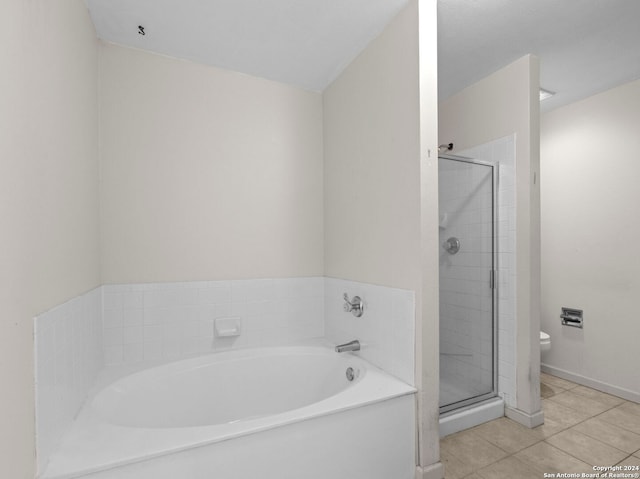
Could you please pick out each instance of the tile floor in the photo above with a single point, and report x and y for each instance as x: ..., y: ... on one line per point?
x: 583, y: 428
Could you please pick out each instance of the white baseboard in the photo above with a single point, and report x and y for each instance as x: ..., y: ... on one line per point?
x: 592, y: 383
x: 434, y: 471
x: 526, y: 419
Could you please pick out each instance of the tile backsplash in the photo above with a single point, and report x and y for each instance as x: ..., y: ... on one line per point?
x: 68, y: 357
x: 174, y: 320
x: 385, y: 329
x: 123, y: 324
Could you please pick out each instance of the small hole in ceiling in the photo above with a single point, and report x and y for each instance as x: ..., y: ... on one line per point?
x: 141, y: 30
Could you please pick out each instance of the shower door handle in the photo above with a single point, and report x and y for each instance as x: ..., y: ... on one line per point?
x: 492, y: 279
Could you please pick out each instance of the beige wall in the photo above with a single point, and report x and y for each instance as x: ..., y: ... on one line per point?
x: 48, y: 192
x: 371, y: 157
x: 206, y: 174
x: 380, y: 120
x: 590, y: 225
x: 504, y: 103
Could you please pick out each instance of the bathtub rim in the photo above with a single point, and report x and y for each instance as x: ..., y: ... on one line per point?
x: 67, y: 463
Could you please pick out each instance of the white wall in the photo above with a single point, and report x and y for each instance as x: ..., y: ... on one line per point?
x: 590, y: 225
x: 206, y: 174
x: 371, y: 158
x: 48, y: 192
x: 380, y: 199
x: 504, y: 103
x: 427, y: 303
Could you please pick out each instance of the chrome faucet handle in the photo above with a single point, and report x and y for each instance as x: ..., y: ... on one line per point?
x: 355, y: 306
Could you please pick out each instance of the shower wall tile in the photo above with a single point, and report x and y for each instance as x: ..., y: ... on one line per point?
x: 502, y: 153
x: 176, y: 320
x: 386, y: 330
x: 68, y: 356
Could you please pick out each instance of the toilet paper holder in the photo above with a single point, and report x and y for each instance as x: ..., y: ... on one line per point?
x: 572, y: 317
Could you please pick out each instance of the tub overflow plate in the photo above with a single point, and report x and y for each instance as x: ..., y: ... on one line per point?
x: 351, y: 374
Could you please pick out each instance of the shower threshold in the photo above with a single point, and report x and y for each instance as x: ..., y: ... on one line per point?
x: 470, y: 416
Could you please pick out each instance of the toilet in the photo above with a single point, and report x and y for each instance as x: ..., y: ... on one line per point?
x: 545, y: 341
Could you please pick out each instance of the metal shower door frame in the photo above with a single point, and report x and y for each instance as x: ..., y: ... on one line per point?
x: 454, y: 407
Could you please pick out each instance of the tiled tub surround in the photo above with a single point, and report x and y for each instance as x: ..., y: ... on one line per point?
x: 137, y: 325
x: 385, y: 329
x: 68, y: 357
x: 176, y: 320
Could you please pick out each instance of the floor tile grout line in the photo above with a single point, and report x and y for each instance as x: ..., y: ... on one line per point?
x: 550, y: 398
x: 565, y: 452
x: 630, y: 455
x: 575, y: 457
x: 471, y: 432
x: 508, y: 454
x: 556, y: 391
x: 588, y: 435
x: 608, y: 422
x: 580, y: 422
x: 600, y: 392
x: 597, y: 439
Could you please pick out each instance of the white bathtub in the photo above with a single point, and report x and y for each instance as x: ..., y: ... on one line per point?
x: 272, y: 413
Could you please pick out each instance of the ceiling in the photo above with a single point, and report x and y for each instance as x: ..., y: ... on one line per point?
x: 584, y: 46
x: 300, y: 42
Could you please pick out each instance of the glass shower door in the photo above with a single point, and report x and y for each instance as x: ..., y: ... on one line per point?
x: 467, y: 282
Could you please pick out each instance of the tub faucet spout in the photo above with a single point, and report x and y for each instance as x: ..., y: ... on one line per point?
x: 350, y: 346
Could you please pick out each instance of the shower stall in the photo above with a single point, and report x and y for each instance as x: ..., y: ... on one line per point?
x: 468, y: 286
